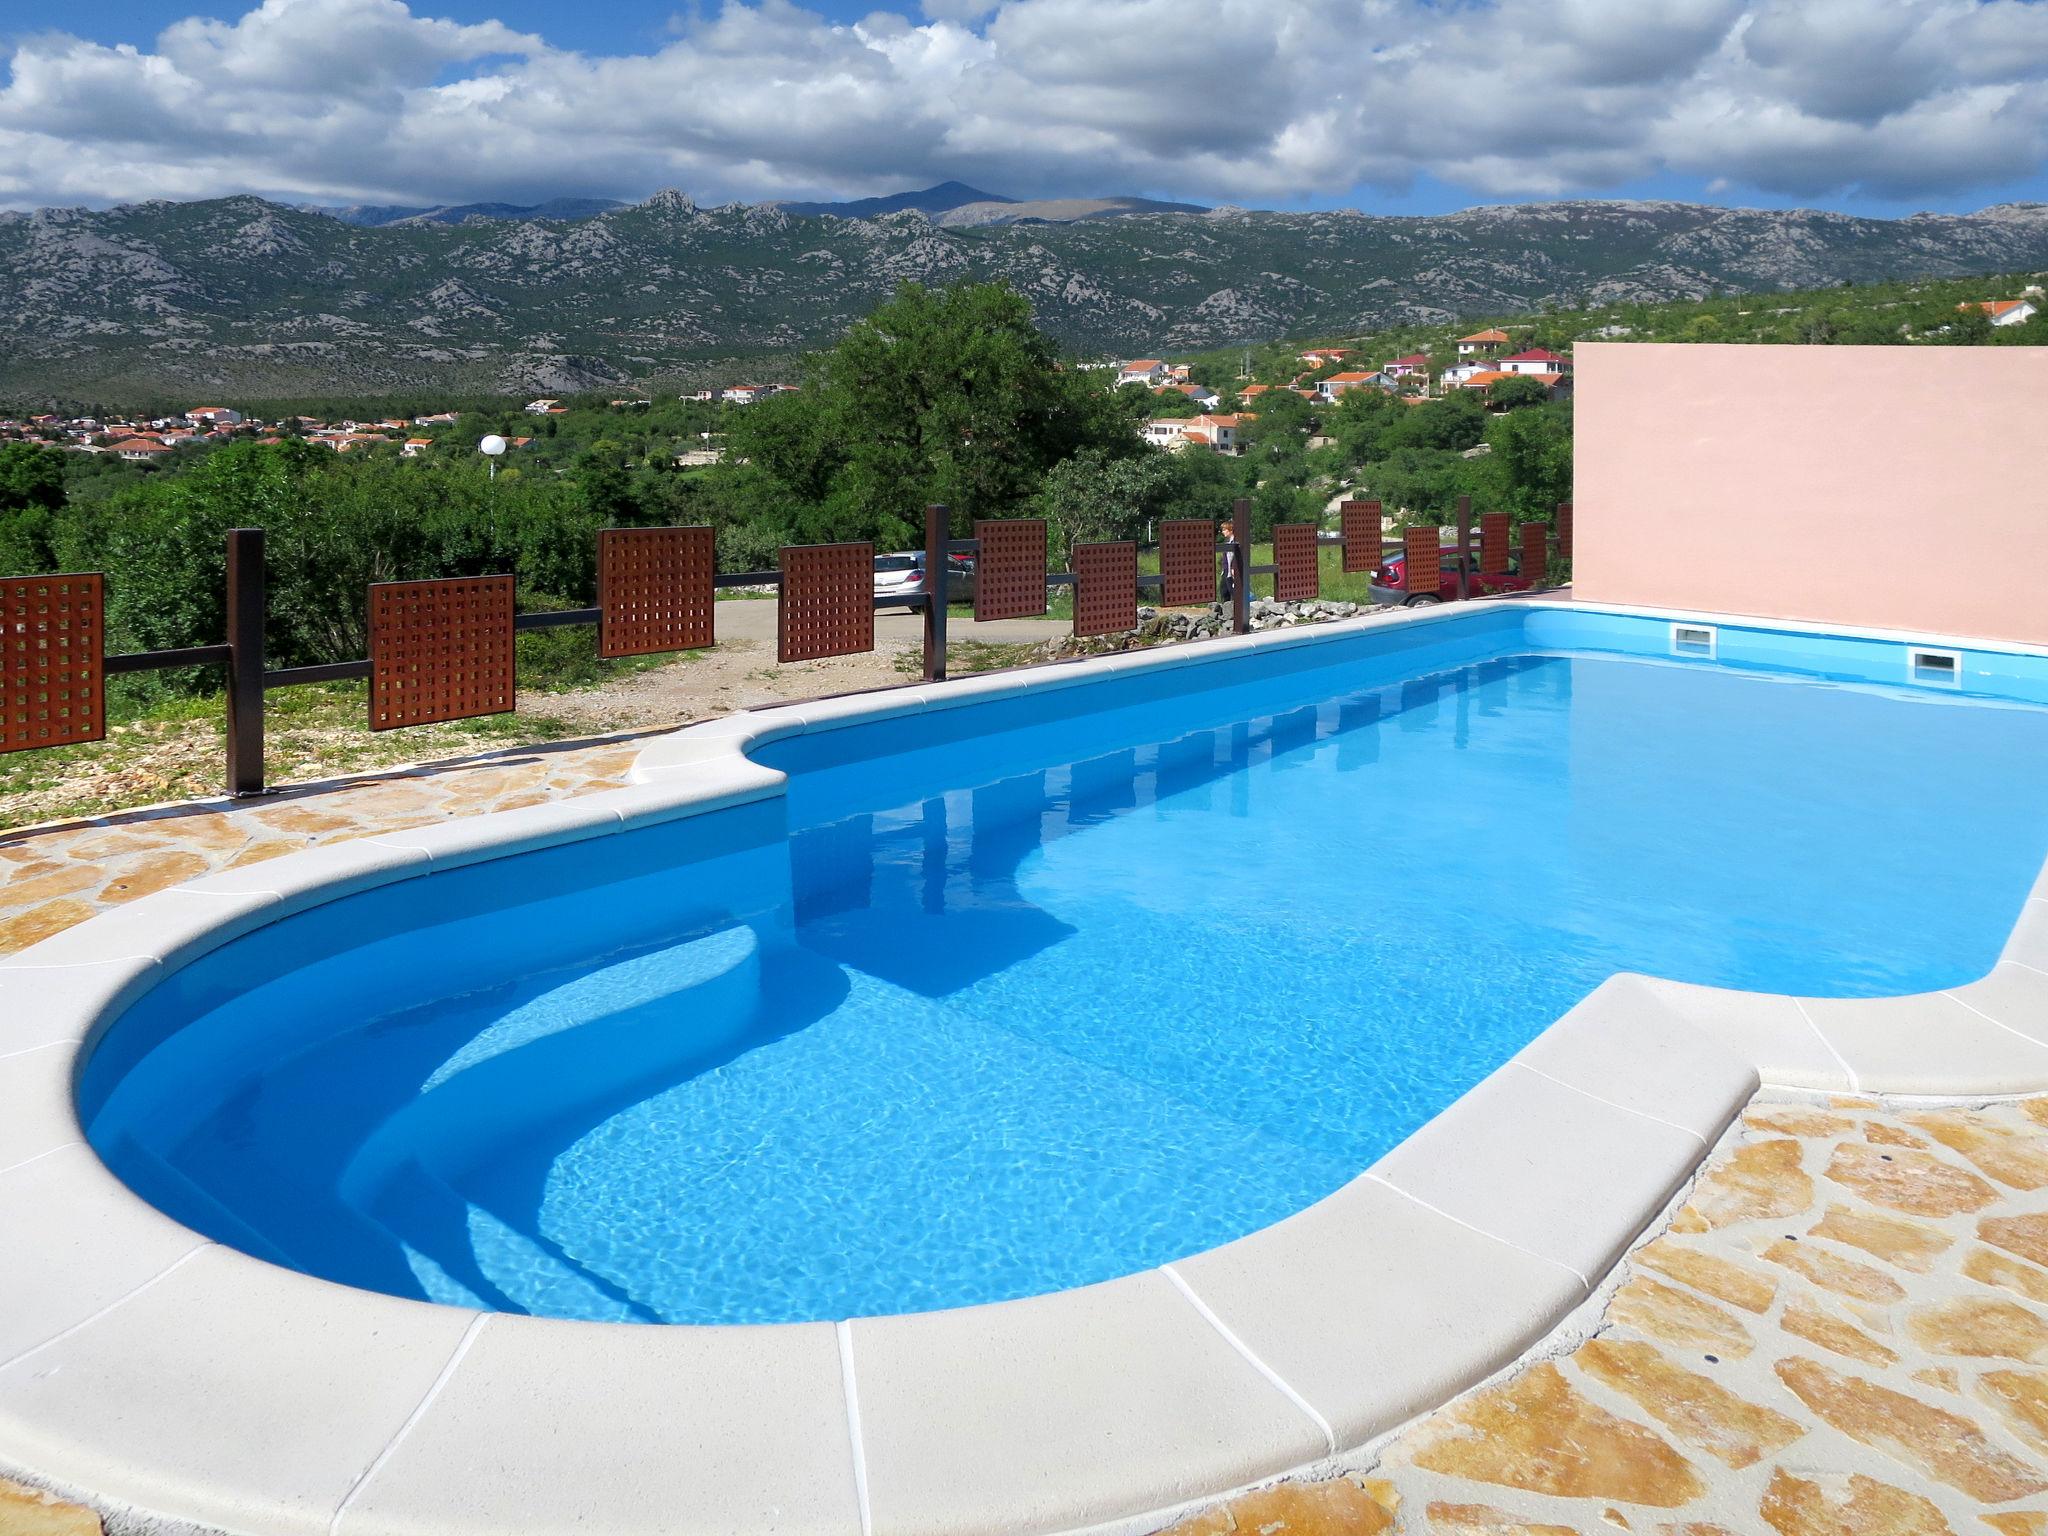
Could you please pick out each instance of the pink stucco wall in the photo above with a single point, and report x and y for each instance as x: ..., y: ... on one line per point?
x: 1886, y: 487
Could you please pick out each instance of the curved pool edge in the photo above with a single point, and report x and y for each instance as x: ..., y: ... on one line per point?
x: 151, y: 1367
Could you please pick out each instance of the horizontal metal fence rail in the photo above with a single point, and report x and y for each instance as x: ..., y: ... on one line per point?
x: 249, y: 679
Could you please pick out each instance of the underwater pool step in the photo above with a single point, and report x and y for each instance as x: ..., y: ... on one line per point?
x: 468, y: 1256
x: 164, y: 1187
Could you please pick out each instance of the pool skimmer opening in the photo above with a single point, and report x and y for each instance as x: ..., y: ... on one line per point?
x: 1702, y: 640
x: 1942, y: 669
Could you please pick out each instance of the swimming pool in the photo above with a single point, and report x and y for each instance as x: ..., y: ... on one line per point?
x: 1001, y: 1000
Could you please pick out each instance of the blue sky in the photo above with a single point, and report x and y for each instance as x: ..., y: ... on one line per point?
x: 1869, y: 106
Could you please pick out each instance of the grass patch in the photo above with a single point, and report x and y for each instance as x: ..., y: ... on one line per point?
x: 967, y: 656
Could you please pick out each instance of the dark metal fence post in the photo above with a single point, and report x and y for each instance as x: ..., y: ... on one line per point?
x: 1240, y: 556
x: 1464, y: 547
x: 938, y: 532
x: 245, y: 661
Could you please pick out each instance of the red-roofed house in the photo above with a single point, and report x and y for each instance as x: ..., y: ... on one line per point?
x: 1207, y: 399
x: 2005, y: 311
x: 1175, y: 433
x: 1559, y: 385
x: 1141, y: 370
x: 1536, y: 360
x: 1488, y: 342
x: 1405, y: 367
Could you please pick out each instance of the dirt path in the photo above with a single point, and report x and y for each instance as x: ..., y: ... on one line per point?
x: 741, y: 671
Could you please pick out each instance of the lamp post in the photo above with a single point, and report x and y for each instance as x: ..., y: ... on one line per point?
x: 492, y: 448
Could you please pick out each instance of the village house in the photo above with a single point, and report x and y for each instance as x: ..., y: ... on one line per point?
x: 1337, y: 384
x: 1322, y: 355
x: 415, y: 446
x: 1223, y: 434
x: 1558, y: 385
x: 1414, y: 364
x: 1207, y: 399
x: 1482, y: 343
x: 214, y: 416
x: 1535, y: 360
x: 2005, y: 311
x: 139, y: 450
x: 1144, y: 370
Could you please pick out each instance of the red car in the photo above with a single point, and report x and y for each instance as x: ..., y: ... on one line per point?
x: 1393, y: 575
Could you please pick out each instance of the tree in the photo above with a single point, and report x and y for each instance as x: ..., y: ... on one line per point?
x: 1425, y: 483
x: 1517, y: 389
x: 1453, y: 424
x: 31, y: 495
x: 1095, y: 495
x: 607, y: 491
x: 1361, y: 422
x: 30, y: 476
x: 947, y: 396
x: 1529, y: 470
x: 955, y: 396
x: 1168, y: 402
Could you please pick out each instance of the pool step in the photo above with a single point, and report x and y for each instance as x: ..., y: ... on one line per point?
x: 570, y: 1058
x: 465, y: 1255
x: 164, y: 1187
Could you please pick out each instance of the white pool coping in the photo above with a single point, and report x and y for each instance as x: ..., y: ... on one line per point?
x: 149, y: 1367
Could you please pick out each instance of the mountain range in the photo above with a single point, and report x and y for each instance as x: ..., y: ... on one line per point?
x: 377, y: 215
x: 950, y: 203
x: 247, y: 298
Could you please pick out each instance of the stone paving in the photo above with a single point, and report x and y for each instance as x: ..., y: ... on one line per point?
x: 54, y: 877
x: 1840, y: 1333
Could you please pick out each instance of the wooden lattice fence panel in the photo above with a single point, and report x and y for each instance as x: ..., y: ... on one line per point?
x: 1187, y: 562
x: 52, y: 647
x: 1297, y: 573
x: 440, y: 650
x: 1009, y: 569
x: 656, y: 588
x: 828, y: 601
x: 1423, y: 552
x: 1536, y: 552
x: 1359, y: 522
x: 1105, y: 588
x: 1495, y: 538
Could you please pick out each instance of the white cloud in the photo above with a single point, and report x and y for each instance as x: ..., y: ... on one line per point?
x: 1247, y: 100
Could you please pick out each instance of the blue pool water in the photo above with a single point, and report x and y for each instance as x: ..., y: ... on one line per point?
x: 1032, y: 997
